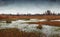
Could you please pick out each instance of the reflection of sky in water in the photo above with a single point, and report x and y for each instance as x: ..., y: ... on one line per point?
x: 24, y: 7
x: 32, y: 27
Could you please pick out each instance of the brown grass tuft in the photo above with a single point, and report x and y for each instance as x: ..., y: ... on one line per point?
x: 13, y: 32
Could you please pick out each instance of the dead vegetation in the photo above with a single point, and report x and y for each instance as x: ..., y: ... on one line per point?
x: 13, y: 32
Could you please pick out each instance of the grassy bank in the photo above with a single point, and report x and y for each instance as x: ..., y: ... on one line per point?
x: 13, y: 32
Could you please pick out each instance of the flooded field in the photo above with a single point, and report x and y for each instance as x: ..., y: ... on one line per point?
x: 30, y: 30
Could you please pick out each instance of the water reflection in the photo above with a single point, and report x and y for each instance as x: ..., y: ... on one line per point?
x: 50, y: 31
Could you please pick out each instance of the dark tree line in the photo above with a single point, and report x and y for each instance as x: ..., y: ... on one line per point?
x: 48, y: 12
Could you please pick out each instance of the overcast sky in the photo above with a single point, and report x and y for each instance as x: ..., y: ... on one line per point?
x: 29, y: 6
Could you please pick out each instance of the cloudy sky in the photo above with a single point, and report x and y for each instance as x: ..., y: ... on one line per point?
x: 29, y: 6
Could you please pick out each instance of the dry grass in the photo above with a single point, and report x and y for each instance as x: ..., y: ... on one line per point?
x: 13, y: 32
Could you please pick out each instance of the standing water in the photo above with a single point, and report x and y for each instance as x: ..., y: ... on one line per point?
x: 49, y: 31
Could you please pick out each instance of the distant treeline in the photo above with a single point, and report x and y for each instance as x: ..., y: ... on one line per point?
x: 48, y: 12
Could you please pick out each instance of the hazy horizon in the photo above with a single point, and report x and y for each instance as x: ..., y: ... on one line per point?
x: 28, y: 6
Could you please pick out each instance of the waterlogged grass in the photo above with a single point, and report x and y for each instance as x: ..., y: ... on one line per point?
x: 13, y: 32
x: 17, y: 32
x: 25, y: 30
x: 54, y: 35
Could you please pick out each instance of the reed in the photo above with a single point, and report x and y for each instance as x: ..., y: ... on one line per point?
x: 13, y: 32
